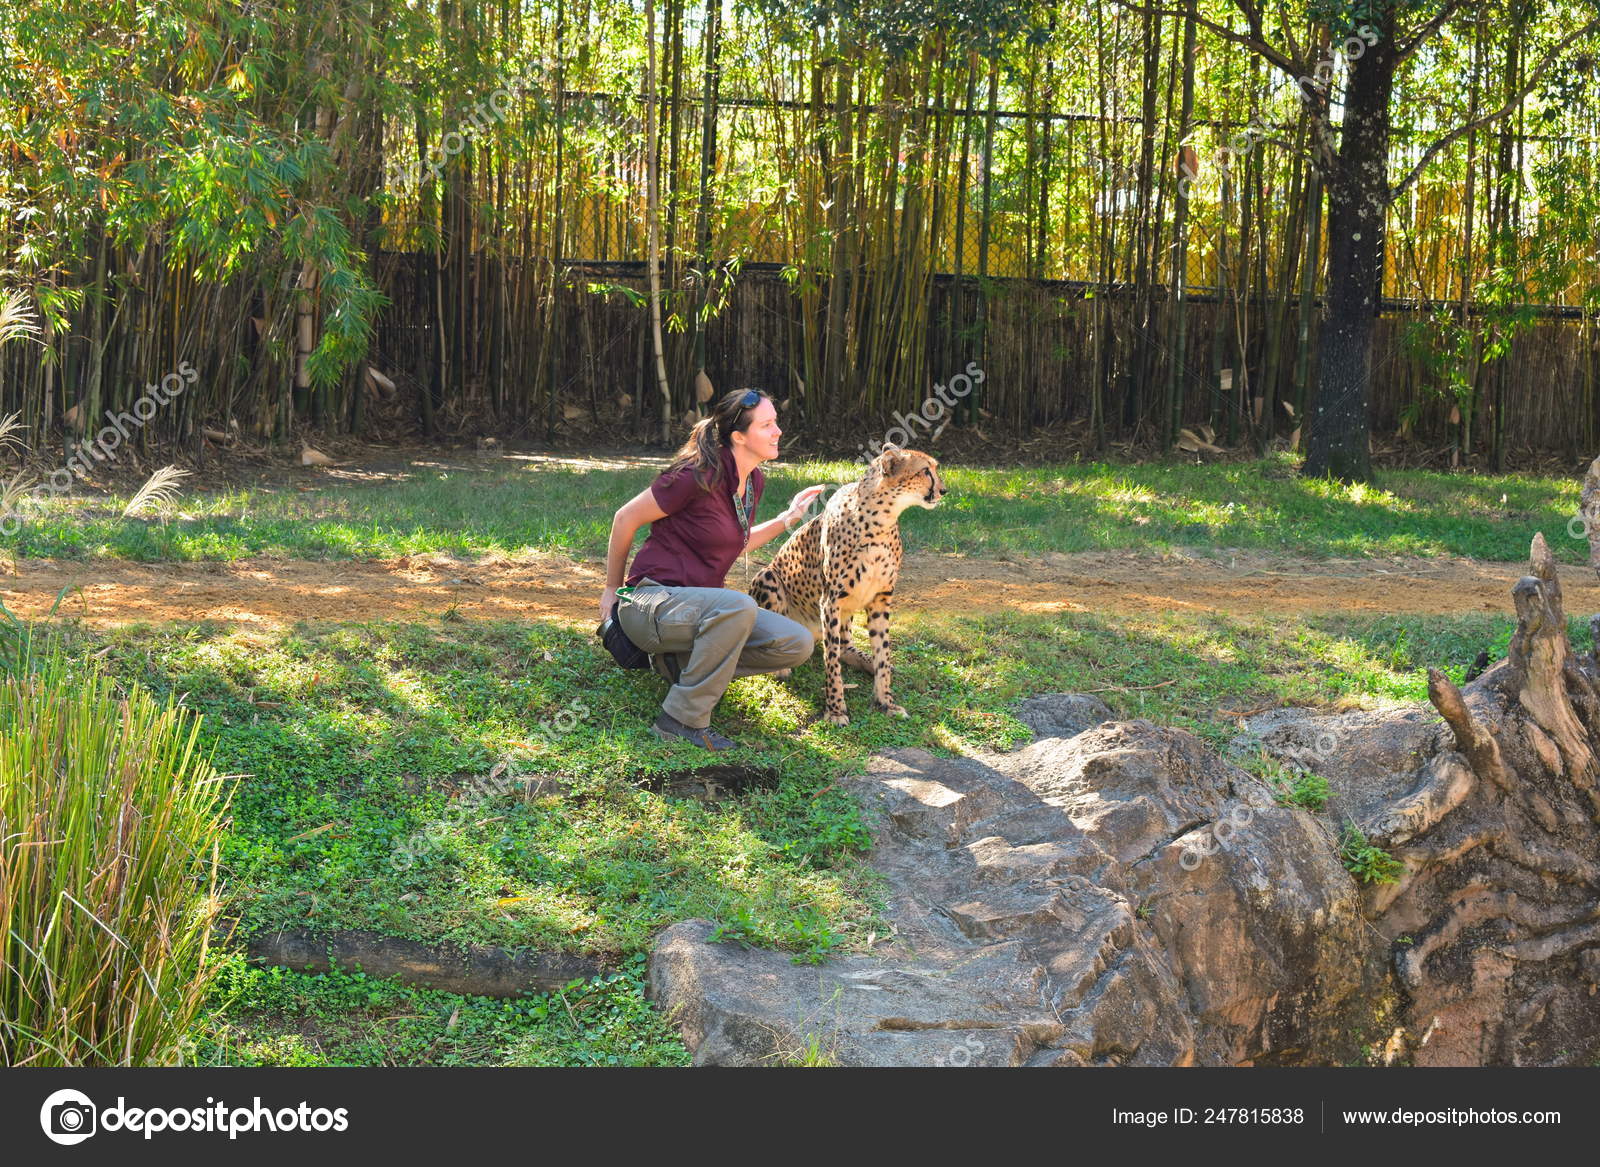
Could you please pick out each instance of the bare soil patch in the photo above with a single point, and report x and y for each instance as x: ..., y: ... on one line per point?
x: 273, y: 593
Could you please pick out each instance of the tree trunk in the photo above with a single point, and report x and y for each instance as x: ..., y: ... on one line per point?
x: 1143, y: 237
x: 1358, y: 197
x: 554, y: 329
x: 1180, y: 236
x: 1490, y: 823
x: 985, y: 229
x: 1308, y: 282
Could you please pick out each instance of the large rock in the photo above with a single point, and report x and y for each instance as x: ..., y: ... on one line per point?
x: 1369, y: 757
x: 1111, y: 894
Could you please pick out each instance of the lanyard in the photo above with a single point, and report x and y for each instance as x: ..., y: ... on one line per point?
x: 742, y: 513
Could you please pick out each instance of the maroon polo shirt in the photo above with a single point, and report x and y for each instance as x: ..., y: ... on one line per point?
x: 699, y: 539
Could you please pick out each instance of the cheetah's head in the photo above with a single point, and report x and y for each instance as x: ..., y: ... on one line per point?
x: 907, y: 478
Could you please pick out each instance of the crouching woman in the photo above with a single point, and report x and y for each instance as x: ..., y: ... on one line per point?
x: 701, y: 635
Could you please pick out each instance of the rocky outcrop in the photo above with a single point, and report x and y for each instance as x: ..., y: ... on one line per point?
x: 1111, y: 894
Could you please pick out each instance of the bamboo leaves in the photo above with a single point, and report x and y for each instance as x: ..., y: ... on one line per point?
x: 445, y: 182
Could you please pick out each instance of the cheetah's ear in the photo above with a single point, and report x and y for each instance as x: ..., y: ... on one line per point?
x: 893, y: 461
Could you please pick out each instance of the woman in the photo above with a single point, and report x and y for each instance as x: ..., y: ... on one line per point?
x: 699, y: 634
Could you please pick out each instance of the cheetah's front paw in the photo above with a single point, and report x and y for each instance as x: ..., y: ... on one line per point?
x: 890, y: 708
x: 837, y: 718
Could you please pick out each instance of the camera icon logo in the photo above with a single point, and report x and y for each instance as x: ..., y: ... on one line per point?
x: 68, y: 1117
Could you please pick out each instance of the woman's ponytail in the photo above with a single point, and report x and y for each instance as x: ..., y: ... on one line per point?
x: 703, y: 449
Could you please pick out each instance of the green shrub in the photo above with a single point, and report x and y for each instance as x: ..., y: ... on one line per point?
x: 109, y: 820
x: 1291, y: 785
x: 1366, y: 862
x: 1306, y: 790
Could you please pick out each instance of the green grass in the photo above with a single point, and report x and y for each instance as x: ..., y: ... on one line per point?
x: 375, y: 733
x: 514, y: 505
x: 1293, y: 785
x: 108, y: 820
x: 1368, y: 863
x: 367, y: 731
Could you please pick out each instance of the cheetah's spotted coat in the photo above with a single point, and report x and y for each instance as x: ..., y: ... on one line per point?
x: 845, y: 560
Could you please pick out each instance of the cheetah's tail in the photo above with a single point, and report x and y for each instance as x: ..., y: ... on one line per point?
x: 767, y: 591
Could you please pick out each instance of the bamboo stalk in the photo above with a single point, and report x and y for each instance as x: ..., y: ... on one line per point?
x: 652, y: 213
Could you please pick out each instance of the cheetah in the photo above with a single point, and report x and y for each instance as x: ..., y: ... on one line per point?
x: 845, y: 560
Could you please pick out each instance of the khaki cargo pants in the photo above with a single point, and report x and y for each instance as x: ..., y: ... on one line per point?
x: 716, y: 633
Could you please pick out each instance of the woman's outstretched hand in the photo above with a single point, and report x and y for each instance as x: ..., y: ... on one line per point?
x: 803, y: 500
x: 607, y: 598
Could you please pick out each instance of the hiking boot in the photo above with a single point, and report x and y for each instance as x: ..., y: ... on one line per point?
x: 666, y: 664
x: 668, y: 727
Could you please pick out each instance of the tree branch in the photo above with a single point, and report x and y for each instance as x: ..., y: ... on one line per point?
x: 1252, y: 40
x: 1495, y: 115
x: 1472, y: 739
x: 1402, y: 52
x: 1295, y: 53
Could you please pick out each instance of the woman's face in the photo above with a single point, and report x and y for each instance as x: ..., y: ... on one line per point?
x: 761, y: 438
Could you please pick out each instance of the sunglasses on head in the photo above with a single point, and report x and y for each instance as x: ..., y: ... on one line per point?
x: 750, y: 400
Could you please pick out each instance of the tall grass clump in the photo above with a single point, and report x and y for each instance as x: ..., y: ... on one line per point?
x: 109, y: 821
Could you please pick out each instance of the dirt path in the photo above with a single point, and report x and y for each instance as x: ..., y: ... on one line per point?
x: 277, y: 593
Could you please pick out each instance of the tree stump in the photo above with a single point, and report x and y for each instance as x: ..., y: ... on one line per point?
x: 1496, y: 920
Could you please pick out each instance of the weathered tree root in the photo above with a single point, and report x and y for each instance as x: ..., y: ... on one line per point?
x: 473, y: 970
x: 1497, y: 917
